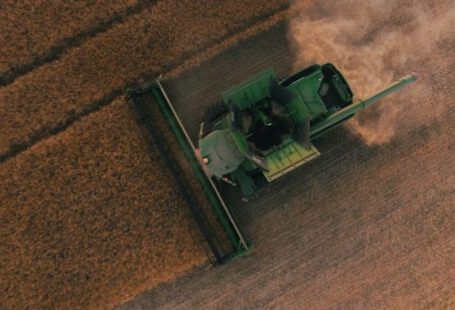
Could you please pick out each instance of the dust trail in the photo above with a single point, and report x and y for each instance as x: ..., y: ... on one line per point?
x: 375, y: 42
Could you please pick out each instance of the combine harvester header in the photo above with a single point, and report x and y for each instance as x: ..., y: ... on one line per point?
x: 142, y: 99
x: 261, y: 130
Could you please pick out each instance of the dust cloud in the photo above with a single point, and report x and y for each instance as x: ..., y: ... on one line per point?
x: 376, y: 42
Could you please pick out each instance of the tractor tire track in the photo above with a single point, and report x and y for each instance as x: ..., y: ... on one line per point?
x: 360, y: 227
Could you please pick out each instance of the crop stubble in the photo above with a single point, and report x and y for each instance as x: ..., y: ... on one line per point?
x: 360, y: 227
x: 382, y: 238
x: 90, y: 75
x: 90, y: 218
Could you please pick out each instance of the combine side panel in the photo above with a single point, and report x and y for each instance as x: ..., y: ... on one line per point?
x: 307, y: 91
x: 250, y: 92
x: 287, y: 158
x: 221, y: 210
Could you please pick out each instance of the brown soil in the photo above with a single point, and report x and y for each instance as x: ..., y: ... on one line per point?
x: 362, y: 227
x: 90, y: 217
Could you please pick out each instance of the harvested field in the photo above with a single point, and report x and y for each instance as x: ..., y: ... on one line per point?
x: 368, y: 225
x: 34, y: 32
x: 90, y: 76
x: 89, y: 218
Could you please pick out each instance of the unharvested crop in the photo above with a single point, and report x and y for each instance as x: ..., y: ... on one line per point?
x: 89, y: 217
x: 32, y: 29
x: 189, y: 178
x: 90, y: 75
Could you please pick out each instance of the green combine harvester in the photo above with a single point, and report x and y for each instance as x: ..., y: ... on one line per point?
x: 261, y: 130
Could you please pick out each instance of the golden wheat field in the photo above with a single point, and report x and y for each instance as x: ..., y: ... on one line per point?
x: 90, y: 216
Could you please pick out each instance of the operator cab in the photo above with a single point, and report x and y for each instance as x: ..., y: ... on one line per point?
x: 333, y: 90
x: 266, y: 123
x: 267, y: 127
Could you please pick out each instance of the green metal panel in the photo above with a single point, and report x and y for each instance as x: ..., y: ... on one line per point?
x: 306, y: 90
x: 287, y: 158
x: 239, y: 140
x: 245, y: 182
x: 298, y: 110
x: 250, y: 92
x: 249, y: 165
x: 221, y: 151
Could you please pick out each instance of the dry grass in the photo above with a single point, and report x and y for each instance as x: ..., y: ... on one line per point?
x: 145, y: 44
x: 89, y: 218
x: 31, y: 28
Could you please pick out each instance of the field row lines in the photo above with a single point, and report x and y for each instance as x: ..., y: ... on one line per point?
x: 51, y: 98
x: 20, y: 61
